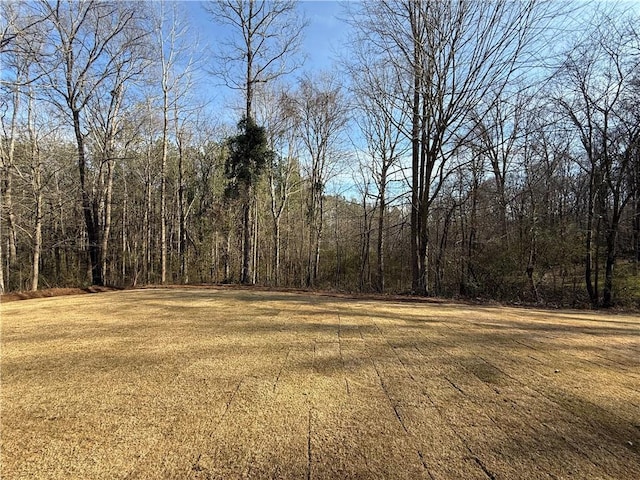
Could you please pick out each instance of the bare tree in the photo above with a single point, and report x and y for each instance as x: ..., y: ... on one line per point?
x: 267, y: 37
x: 363, y: 181
x: 452, y: 56
x: 37, y: 188
x: 276, y: 112
x: 106, y: 117
x: 497, y: 135
x: 266, y: 40
x: 321, y: 115
x: 7, y: 157
x: 176, y: 64
x: 93, y: 40
x: 595, y: 90
x: 20, y: 29
x: 21, y: 42
x: 380, y: 121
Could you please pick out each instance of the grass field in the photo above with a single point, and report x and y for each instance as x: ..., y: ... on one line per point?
x: 204, y: 384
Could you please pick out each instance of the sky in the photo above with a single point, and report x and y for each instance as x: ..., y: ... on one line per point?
x: 325, y: 34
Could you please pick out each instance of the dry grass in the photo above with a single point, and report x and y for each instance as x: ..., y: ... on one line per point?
x: 207, y: 384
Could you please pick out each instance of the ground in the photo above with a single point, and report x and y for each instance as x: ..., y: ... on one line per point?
x: 212, y: 383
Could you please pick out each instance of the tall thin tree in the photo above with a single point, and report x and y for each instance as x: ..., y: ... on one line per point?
x: 91, y: 39
x: 267, y: 36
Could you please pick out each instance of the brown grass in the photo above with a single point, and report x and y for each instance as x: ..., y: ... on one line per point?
x: 203, y: 384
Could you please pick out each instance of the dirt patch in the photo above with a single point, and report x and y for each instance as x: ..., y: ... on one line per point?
x: 53, y: 292
x: 206, y: 383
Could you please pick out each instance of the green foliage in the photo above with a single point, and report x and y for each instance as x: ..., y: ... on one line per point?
x: 249, y: 153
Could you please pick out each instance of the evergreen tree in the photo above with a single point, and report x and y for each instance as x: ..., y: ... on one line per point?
x: 248, y: 154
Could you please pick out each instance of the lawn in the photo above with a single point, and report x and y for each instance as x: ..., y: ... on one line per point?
x: 207, y: 384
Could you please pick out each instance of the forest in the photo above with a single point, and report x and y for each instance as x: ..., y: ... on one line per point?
x: 458, y: 148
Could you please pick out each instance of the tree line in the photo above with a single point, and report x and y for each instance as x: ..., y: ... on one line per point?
x: 458, y: 148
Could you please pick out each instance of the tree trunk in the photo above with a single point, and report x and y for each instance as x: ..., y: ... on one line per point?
x: 37, y: 235
x: 588, y: 261
x: 245, y: 272
x: 89, y: 218
x: 468, y: 273
x: 147, y: 219
x: 107, y: 214
x: 7, y: 170
x: 11, y: 220
x: 60, y: 254
x: 635, y: 181
x: 36, y: 181
x: 125, y: 219
x: 380, y: 241
x: 531, y: 264
x: 312, y: 236
x: 415, y: 183
x: 427, y: 160
x: 276, y: 250
x: 319, y: 229
x: 439, y: 263
x: 276, y: 215
x: 255, y: 243
x: 365, y: 273
x: 315, y: 229
x: 607, y: 294
x: 181, y: 211
x: 163, y: 196
x: 418, y: 174
x: 226, y: 259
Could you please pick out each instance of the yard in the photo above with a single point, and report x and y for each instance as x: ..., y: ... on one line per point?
x: 205, y: 383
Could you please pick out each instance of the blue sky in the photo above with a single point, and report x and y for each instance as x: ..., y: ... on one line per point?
x: 324, y: 34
